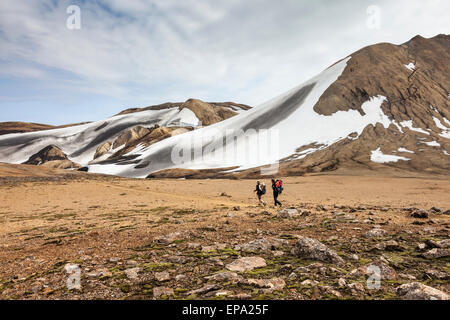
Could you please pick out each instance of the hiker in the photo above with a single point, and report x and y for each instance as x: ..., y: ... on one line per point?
x: 277, y: 187
x: 260, y: 191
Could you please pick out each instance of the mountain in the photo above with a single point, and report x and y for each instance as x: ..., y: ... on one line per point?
x: 21, y: 127
x: 108, y: 141
x: 383, y: 108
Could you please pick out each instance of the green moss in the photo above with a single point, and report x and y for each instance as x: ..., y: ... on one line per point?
x: 151, y: 266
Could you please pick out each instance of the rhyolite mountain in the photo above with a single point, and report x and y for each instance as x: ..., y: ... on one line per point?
x: 384, y: 107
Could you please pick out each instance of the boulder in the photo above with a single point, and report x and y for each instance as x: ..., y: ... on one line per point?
x: 225, y: 276
x: 269, y: 285
x: 436, y: 253
x: 132, y: 274
x: 263, y: 244
x: 162, y: 276
x: 162, y: 291
x: 246, y: 264
x: 313, y: 249
x: 386, y: 272
x: 419, y: 291
x: 288, y: 213
x: 375, y: 233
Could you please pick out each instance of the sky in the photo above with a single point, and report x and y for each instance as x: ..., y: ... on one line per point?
x: 137, y: 53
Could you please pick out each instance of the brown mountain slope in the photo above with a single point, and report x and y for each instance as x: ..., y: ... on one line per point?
x: 207, y: 113
x: 52, y: 157
x: 420, y: 95
x: 22, y: 127
x: 417, y: 102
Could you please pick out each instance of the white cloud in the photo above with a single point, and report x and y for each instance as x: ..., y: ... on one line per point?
x: 247, y: 51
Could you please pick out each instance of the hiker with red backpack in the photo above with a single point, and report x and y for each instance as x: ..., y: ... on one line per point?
x: 277, y: 187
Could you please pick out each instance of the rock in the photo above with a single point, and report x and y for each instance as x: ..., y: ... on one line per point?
x: 436, y: 253
x: 179, y: 259
x: 407, y: 276
x: 375, y: 233
x: 132, y: 274
x: 241, y: 296
x: 171, y: 237
x: 435, y: 274
x: 419, y: 291
x: 270, y: 285
x: 131, y: 263
x: 312, y: 249
x: 100, y: 273
x: 246, y: 264
x: 224, y: 194
x: 421, y: 247
x: 432, y: 244
x: 447, y: 212
x: 264, y: 244
x: 387, y: 273
x: 390, y: 245
x: 342, y: 283
x: 162, y: 291
x: 436, y: 210
x: 236, y: 208
x: 216, y: 261
x: 223, y: 293
x: 309, y: 282
x: 214, y: 247
x: 277, y: 253
x: 205, y: 289
x: 288, y: 213
x: 445, y: 244
x: 180, y: 277
x: 225, y: 276
x: 356, y: 287
x: 292, y: 276
x: 421, y: 214
x: 354, y: 257
x: 193, y: 245
x: 162, y: 276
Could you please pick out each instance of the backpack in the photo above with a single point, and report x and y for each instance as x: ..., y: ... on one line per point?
x: 263, y: 189
x: 279, y: 186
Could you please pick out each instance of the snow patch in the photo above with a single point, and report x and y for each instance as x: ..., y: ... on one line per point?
x: 410, y: 66
x: 404, y: 150
x: 409, y: 124
x: 445, y: 131
x: 378, y: 157
x: 431, y: 143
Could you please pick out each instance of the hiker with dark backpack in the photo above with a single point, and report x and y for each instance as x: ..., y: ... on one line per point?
x: 260, y: 191
x: 277, y: 187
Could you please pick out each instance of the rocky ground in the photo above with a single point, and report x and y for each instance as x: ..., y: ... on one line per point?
x: 208, y: 239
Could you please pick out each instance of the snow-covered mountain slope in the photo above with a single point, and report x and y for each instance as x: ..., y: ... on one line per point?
x: 367, y: 111
x: 290, y: 116
x: 80, y: 142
